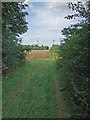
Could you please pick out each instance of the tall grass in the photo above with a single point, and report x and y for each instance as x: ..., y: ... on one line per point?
x: 31, y: 90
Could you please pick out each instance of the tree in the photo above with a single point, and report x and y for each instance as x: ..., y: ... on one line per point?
x: 13, y: 25
x: 82, y: 10
x: 54, y: 49
x: 74, y: 53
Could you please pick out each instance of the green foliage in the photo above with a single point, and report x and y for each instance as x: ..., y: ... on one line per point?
x: 54, y: 49
x: 13, y: 25
x: 34, y: 47
x: 13, y: 17
x: 82, y: 10
x: 74, y: 53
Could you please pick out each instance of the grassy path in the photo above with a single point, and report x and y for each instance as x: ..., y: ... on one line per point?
x: 33, y: 92
x: 61, y: 112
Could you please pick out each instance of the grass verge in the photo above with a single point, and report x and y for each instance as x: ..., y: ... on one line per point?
x: 65, y: 88
x: 29, y: 92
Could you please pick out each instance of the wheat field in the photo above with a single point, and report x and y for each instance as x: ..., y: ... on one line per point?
x: 37, y: 54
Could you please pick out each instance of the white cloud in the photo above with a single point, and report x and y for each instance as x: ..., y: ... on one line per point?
x: 46, y: 23
x: 50, y: 17
x: 26, y: 1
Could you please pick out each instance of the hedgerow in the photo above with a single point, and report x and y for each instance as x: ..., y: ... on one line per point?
x: 74, y: 59
x: 13, y: 25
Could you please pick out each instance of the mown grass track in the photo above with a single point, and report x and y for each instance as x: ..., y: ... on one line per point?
x: 30, y: 91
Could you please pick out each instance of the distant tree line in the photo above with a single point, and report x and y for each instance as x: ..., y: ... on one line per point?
x: 74, y: 57
x: 34, y: 47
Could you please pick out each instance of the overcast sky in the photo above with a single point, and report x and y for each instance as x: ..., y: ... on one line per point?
x: 45, y: 22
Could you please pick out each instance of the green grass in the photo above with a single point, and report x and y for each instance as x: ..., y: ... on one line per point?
x: 65, y: 88
x: 29, y: 90
x: 51, y: 58
x: 36, y: 96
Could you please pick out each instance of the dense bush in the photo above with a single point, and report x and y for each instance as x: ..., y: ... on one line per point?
x: 13, y: 25
x: 74, y: 53
x: 54, y: 49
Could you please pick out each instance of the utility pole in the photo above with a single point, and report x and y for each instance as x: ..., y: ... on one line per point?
x: 37, y: 42
x: 53, y: 42
x: 60, y: 41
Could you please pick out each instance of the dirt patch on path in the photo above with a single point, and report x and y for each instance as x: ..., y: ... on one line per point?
x: 61, y: 113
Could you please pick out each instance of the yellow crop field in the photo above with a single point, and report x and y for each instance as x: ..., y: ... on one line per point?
x: 37, y: 54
